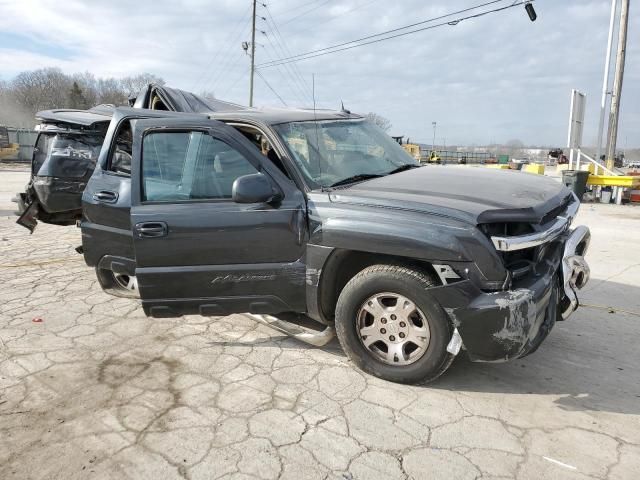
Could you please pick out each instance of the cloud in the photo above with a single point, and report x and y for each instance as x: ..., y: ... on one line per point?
x: 487, y: 79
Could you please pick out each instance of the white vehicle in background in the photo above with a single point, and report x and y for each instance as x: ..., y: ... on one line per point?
x: 632, y: 163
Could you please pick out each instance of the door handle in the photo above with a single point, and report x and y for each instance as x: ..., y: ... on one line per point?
x: 151, y: 229
x: 105, y: 196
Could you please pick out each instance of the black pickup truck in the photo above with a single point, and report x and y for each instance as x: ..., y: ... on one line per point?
x: 314, y: 212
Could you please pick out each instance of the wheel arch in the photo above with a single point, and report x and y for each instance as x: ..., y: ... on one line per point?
x: 342, y: 265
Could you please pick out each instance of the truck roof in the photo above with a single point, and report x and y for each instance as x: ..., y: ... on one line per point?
x: 274, y: 116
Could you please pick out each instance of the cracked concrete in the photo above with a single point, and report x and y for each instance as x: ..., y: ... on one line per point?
x: 98, y: 390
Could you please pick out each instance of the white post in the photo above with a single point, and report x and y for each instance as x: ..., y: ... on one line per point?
x: 605, y: 81
x: 570, y: 159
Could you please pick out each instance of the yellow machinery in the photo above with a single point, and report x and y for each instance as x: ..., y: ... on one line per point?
x: 434, y: 157
x: 411, y: 148
x: 7, y: 149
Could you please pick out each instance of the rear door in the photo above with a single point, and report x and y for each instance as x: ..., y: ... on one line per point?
x: 106, y: 202
x: 197, y: 251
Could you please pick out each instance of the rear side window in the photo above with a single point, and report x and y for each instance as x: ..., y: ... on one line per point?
x: 120, y: 156
x: 179, y: 166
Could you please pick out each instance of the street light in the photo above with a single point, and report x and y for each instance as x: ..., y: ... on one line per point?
x: 531, y: 11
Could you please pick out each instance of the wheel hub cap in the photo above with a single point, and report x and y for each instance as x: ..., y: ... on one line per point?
x: 393, y: 328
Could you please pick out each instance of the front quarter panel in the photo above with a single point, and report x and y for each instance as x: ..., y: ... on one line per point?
x: 402, y: 233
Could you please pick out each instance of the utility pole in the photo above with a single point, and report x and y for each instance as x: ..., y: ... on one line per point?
x: 253, y: 54
x: 617, y: 85
x: 605, y: 81
x: 433, y: 143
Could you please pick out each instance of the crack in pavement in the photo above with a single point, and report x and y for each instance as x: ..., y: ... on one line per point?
x: 99, y: 388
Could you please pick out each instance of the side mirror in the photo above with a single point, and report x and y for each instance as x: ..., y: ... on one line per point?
x: 254, y: 188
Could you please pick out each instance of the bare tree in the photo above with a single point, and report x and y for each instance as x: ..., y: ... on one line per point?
x: 49, y: 88
x: 41, y: 89
x: 76, y: 97
x: 133, y: 85
x: 382, y: 122
x: 89, y: 85
x: 109, y: 90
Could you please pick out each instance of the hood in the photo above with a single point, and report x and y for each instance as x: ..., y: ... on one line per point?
x: 471, y: 194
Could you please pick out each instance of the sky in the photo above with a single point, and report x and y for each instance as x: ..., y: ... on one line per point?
x: 485, y: 80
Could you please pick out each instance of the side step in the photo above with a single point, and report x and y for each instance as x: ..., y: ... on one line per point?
x: 317, y: 338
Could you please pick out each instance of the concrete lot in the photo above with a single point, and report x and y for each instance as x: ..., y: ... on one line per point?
x: 97, y: 390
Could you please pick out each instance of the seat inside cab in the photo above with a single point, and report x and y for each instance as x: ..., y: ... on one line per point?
x: 262, y: 143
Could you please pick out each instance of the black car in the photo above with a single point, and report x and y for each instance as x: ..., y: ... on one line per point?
x: 320, y: 213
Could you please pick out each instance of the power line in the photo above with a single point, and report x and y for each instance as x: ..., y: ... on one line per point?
x: 291, y: 81
x: 295, y: 8
x: 429, y: 20
x: 224, y: 64
x: 226, y: 68
x: 286, y: 52
x: 360, y: 41
x: 270, y: 87
x: 357, y: 7
x: 207, y: 70
x: 243, y: 73
x: 306, y: 12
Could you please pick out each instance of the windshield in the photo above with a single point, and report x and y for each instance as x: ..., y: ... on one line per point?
x: 328, y: 152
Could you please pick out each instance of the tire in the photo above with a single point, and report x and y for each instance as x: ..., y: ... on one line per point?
x: 118, y: 285
x: 424, y: 359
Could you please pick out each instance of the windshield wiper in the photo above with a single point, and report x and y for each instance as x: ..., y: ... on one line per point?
x: 356, y: 178
x: 402, y: 168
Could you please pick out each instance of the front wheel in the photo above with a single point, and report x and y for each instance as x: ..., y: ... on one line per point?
x: 388, y: 326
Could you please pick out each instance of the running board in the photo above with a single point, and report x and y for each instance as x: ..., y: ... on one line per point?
x: 317, y: 338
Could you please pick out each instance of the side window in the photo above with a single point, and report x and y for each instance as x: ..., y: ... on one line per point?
x: 41, y: 151
x: 189, y: 166
x: 120, y: 158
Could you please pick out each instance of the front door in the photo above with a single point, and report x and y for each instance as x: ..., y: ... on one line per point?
x: 197, y: 250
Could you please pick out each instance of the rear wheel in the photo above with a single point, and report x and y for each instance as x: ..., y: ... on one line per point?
x: 388, y: 326
x: 118, y: 284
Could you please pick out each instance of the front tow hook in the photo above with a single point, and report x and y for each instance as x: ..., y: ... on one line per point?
x: 575, y: 270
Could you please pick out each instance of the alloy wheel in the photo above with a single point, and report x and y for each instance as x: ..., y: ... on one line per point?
x: 393, y: 328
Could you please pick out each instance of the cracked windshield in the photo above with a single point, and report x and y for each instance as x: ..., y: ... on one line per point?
x: 333, y: 152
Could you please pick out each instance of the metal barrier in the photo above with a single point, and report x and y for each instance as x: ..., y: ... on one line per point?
x: 26, y: 139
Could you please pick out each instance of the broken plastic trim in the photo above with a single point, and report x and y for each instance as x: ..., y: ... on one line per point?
x: 446, y: 274
x: 455, y: 344
x: 306, y: 335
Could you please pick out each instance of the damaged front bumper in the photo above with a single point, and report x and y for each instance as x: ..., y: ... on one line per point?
x: 499, y: 326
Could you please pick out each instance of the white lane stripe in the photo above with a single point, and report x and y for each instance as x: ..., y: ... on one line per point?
x: 557, y: 462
